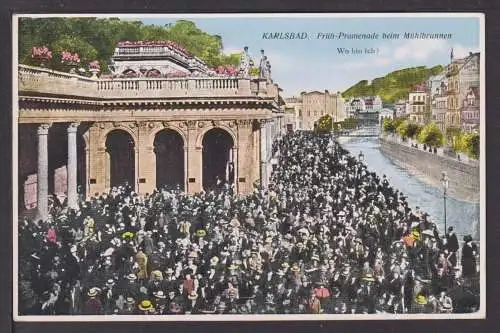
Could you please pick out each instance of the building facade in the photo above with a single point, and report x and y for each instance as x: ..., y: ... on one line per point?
x: 154, y: 59
x: 470, y: 111
x: 386, y: 113
x: 354, y: 105
x: 462, y: 74
x: 189, y: 133
x: 402, y: 108
x: 373, y: 103
x: 313, y: 105
x: 293, y: 105
x: 437, y: 94
x: 419, y: 104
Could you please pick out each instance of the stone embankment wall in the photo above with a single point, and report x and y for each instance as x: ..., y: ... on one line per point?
x: 463, y: 177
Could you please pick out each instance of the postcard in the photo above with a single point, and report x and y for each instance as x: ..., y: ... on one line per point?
x: 230, y: 167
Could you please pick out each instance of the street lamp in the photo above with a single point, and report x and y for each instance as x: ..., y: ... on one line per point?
x: 444, y: 181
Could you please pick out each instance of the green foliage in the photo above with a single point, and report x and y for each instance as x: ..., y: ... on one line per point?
x: 451, y: 133
x: 350, y: 123
x: 413, y: 130
x: 473, y: 146
x: 388, y: 125
x: 395, y: 85
x: 430, y: 135
x: 96, y: 39
x: 466, y: 143
x: 402, y: 129
x: 325, y: 123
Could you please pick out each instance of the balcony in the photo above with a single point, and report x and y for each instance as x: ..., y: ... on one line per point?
x: 49, y: 83
x: 156, y: 51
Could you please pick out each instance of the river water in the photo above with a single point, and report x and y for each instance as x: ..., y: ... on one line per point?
x: 463, y: 216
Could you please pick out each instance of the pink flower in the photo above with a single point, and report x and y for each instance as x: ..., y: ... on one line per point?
x: 41, y: 52
x: 94, y: 65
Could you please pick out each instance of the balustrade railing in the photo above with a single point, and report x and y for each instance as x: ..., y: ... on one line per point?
x: 46, y: 81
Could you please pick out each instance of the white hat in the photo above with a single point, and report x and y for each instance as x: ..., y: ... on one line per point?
x: 93, y: 292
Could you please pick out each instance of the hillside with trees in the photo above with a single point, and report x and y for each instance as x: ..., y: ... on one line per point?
x: 395, y: 85
x: 95, y: 39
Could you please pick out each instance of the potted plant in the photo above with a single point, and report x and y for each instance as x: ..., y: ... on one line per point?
x: 94, y: 68
x: 41, y: 55
x: 70, y: 60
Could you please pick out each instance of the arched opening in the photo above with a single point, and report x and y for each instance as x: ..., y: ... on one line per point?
x: 130, y: 73
x: 58, y: 160
x: 218, y: 158
x: 121, y: 149
x: 169, y: 151
x: 153, y: 73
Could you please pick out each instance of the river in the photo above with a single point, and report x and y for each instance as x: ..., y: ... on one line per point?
x: 463, y: 216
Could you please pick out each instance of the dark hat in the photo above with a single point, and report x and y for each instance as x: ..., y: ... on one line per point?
x: 468, y: 238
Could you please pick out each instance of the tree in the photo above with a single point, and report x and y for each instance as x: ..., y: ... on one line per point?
x: 72, y: 44
x: 473, y: 145
x: 96, y: 39
x: 388, y: 125
x: 402, y: 129
x: 413, y: 130
x: 430, y: 135
x: 452, y: 133
x: 325, y: 123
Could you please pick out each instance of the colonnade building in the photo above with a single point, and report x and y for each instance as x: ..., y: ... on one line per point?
x: 83, y: 136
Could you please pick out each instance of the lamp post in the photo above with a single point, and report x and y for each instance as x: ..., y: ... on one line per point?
x: 444, y: 181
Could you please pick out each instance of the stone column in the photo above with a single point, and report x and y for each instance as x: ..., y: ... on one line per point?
x: 263, y: 155
x: 72, y: 166
x: 43, y: 172
x: 137, y: 188
x: 235, y: 165
x: 194, y: 164
x: 146, y: 173
x: 185, y: 174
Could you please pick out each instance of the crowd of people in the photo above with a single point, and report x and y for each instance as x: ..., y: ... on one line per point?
x: 326, y: 236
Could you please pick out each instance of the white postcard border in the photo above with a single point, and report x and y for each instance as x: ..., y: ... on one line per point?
x: 480, y: 314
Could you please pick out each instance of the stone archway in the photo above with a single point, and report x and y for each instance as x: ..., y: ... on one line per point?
x: 169, y: 151
x: 218, y: 158
x: 120, y: 146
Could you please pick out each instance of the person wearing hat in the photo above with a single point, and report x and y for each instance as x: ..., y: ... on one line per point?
x: 145, y: 306
x: 130, y: 307
x: 468, y: 258
x: 221, y: 308
x: 193, y: 303
x: 130, y: 287
x: 109, y: 296
x: 445, y: 304
x: 156, y: 282
x: 312, y: 303
x: 142, y: 261
x: 452, y: 245
x: 93, y: 305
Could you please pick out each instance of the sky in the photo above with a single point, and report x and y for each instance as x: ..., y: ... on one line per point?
x: 315, y: 64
